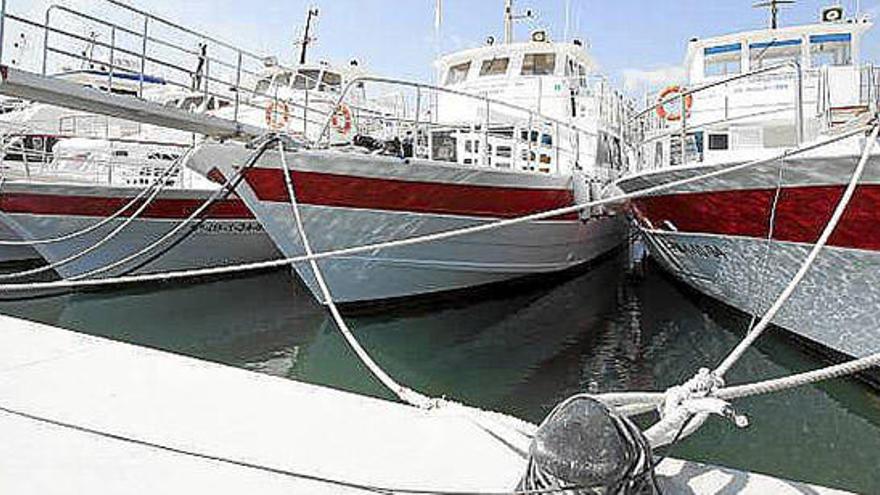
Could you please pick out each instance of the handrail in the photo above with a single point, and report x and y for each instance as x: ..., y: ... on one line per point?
x: 419, y: 85
x: 682, y: 96
x: 688, y: 92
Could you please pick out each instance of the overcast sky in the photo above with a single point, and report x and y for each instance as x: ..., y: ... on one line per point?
x: 631, y: 39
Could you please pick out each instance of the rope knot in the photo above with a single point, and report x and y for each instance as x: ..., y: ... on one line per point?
x: 701, y: 386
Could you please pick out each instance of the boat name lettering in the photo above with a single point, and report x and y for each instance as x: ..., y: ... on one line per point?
x: 698, y: 250
x: 236, y: 227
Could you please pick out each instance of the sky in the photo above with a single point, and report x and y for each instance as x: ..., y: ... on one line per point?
x: 632, y: 40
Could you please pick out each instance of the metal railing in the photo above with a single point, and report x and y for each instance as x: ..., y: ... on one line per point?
x: 130, y: 48
x: 641, y: 130
x: 528, y: 139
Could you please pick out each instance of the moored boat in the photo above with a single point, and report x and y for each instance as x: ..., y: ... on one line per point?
x: 549, y: 136
x: 740, y: 237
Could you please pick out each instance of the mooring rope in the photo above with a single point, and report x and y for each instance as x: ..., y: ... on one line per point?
x: 104, y: 240
x: 758, y: 297
x: 486, y: 227
x: 227, y: 187
x: 403, y: 393
x: 830, y: 227
x: 697, y: 398
x: 101, y: 223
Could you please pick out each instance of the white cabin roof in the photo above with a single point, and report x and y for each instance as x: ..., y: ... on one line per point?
x: 489, y: 52
x: 856, y: 28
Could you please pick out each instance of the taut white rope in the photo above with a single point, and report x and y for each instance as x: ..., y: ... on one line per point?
x: 97, y: 225
x: 830, y: 227
x: 104, y: 240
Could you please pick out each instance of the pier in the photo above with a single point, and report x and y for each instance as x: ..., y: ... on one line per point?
x: 81, y: 414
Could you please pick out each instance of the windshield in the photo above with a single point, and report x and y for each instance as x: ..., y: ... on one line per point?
x: 263, y: 85
x: 306, y: 79
x: 723, y: 60
x: 458, y: 73
x: 330, y: 81
x: 774, y: 53
x: 539, y: 64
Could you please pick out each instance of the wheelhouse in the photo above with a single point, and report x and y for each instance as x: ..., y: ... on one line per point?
x: 554, y: 79
x: 763, y: 91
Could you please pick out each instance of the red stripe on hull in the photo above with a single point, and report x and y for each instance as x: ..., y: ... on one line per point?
x: 801, y: 214
x: 322, y: 189
x: 90, y: 206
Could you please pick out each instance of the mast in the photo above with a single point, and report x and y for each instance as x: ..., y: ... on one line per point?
x: 773, y: 6
x: 306, y: 40
x: 508, y: 21
x: 510, y: 18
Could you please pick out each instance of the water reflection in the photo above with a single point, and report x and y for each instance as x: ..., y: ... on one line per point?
x: 519, y: 349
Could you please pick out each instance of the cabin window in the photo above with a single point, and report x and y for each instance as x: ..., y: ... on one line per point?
x: 306, y: 79
x: 582, y: 74
x: 458, y: 73
x: 719, y: 142
x: 495, y: 67
x: 283, y: 80
x: 774, y: 53
x: 539, y: 64
x: 263, y: 85
x: 723, y: 60
x: 504, y: 151
x: 831, y: 49
x: 330, y: 81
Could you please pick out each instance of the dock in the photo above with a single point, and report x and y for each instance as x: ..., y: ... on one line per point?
x: 82, y: 414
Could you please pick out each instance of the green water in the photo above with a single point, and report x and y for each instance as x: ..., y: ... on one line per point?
x: 518, y: 350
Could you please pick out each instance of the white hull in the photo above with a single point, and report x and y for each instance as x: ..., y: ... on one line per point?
x: 835, y: 305
x: 714, y: 236
x: 458, y: 263
x: 215, y: 242
x: 15, y: 254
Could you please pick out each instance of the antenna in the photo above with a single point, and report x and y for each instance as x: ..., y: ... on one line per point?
x: 773, y: 6
x: 510, y: 18
x: 307, y: 39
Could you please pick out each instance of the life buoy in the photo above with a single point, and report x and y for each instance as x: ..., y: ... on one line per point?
x: 277, y: 115
x: 341, y: 120
x: 673, y: 116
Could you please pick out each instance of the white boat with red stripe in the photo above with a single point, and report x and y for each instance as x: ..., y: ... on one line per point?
x: 549, y: 137
x: 740, y: 237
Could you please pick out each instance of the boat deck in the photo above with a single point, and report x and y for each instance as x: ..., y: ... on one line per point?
x: 81, y: 414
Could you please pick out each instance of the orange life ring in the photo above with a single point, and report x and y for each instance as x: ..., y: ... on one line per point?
x: 277, y: 115
x: 341, y: 120
x: 673, y: 116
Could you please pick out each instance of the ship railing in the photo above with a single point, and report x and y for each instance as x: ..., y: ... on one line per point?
x: 30, y: 152
x: 134, y: 49
x: 443, y: 124
x: 646, y: 126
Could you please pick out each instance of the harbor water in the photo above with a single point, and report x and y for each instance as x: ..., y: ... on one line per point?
x: 519, y: 349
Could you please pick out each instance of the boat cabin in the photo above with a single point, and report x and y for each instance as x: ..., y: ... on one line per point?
x: 543, y: 78
x: 321, y: 78
x: 753, y: 113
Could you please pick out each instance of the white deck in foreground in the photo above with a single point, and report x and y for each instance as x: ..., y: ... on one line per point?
x: 219, y: 411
